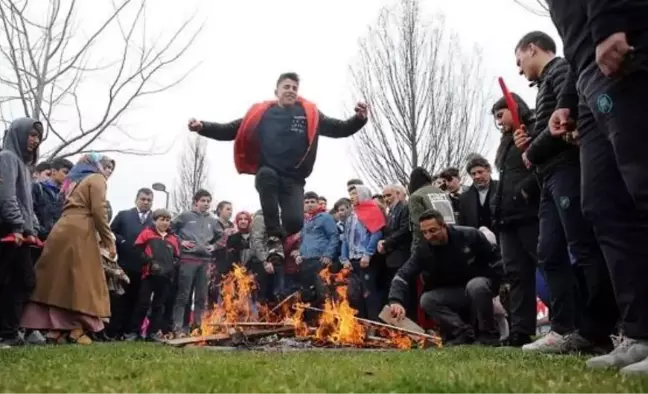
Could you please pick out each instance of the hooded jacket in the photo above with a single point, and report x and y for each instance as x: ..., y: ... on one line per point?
x: 16, y: 204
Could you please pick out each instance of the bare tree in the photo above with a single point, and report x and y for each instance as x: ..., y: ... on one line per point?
x: 426, y: 97
x: 45, y: 70
x: 537, y: 7
x: 193, y: 170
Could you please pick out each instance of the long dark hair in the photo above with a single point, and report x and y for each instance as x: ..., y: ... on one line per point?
x: 527, y: 117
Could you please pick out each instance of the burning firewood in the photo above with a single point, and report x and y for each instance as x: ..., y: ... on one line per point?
x: 434, y: 339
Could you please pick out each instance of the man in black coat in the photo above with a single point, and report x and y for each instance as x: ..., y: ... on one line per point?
x: 566, y: 237
x: 126, y: 226
x: 397, y: 242
x: 460, y: 280
x: 475, y: 203
x: 605, y: 44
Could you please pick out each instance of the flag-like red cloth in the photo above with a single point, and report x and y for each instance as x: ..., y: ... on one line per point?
x: 370, y: 215
x: 12, y: 238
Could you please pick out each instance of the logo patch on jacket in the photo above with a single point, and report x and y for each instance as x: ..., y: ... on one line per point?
x: 298, y: 124
x: 604, y: 103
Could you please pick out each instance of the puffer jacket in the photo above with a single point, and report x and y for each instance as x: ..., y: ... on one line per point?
x: 545, y: 151
x: 510, y: 207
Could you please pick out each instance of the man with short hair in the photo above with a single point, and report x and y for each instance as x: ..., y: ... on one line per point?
x: 48, y: 201
x: 475, y: 203
x: 42, y: 171
x: 397, y: 241
x: 126, y: 226
x: 604, y: 43
x: 565, y: 234
x: 323, y: 202
x: 277, y: 142
x: 460, y: 281
x: 318, y: 247
x: 197, y: 230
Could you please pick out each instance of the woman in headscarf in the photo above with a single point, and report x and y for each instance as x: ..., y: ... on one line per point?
x: 71, y: 295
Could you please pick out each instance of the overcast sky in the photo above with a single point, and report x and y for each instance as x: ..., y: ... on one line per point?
x: 246, y: 44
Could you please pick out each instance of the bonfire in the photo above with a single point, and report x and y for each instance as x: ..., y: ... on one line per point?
x: 336, y: 323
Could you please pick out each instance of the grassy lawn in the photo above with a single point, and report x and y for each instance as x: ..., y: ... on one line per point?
x: 150, y: 367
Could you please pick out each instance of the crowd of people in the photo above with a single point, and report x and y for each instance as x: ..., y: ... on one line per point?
x: 568, y: 207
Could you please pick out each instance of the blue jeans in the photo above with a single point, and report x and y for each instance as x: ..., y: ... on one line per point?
x: 363, y: 290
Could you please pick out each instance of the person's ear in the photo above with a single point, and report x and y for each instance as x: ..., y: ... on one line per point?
x: 276, y: 92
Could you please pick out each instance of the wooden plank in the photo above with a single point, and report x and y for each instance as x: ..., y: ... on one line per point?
x: 178, y: 342
x: 405, y: 323
x: 249, y: 324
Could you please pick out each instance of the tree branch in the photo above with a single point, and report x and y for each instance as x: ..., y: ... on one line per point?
x: 425, y: 97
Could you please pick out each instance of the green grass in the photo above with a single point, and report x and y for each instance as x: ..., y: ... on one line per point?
x: 156, y: 368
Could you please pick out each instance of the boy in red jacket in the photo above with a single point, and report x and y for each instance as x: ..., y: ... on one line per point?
x: 160, y: 250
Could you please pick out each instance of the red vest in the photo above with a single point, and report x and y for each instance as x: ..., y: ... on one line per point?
x: 246, y: 145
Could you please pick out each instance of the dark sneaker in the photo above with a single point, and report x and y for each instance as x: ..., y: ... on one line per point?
x: 465, y: 338
x: 576, y: 343
x: 630, y: 351
x: 131, y: 337
x: 489, y: 340
x: 18, y: 340
x: 518, y: 340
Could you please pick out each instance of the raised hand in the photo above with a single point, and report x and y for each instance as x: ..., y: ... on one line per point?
x: 361, y: 110
x: 194, y: 125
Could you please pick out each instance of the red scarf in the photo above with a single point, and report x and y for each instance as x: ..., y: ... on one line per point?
x: 370, y: 215
x: 311, y: 215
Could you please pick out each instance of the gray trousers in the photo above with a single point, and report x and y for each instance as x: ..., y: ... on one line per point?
x: 190, y: 275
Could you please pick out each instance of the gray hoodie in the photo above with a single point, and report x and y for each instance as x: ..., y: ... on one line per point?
x: 201, y: 228
x: 16, y: 205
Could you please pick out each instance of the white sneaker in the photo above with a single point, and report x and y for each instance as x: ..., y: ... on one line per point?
x: 550, y: 343
x: 35, y: 338
x: 630, y: 351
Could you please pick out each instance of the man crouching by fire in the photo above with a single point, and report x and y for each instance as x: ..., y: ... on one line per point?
x: 460, y: 281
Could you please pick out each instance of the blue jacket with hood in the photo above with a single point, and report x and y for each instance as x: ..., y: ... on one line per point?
x: 16, y: 205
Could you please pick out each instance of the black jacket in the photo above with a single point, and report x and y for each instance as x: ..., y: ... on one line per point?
x: 545, y: 151
x: 510, y: 208
x: 469, y: 205
x: 127, y: 226
x: 48, y: 206
x: 467, y: 255
x: 398, y: 236
x: 328, y: 127
x: 582, y: 24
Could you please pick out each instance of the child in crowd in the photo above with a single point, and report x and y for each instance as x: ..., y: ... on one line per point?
x: 238, y: 244
x: 363, y: 230
x: 160, y: 251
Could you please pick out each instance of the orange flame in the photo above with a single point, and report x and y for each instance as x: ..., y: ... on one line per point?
x: 336, y: 324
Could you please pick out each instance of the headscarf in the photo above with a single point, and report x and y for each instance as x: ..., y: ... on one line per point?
x: 368, y: 211
x: 243, y: 215
x: 92, y: 163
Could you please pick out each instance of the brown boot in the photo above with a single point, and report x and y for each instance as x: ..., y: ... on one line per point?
x: 54, y: 337
x: 79, y: 337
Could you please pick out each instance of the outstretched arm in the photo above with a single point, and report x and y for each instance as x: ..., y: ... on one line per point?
x: 335, y: 128
x: 216, y: 131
